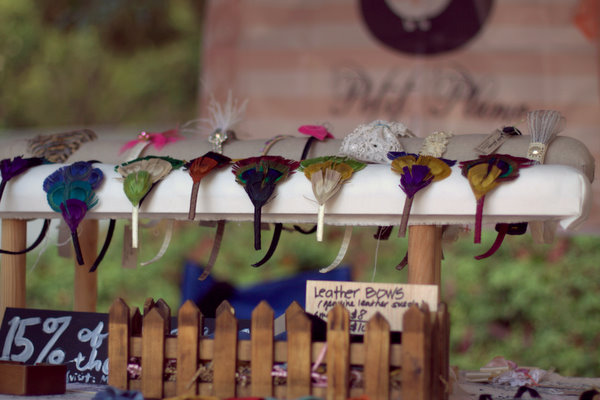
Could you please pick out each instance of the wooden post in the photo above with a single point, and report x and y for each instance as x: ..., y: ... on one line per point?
x: 225, y: 354
x: 424, y: 254
x: 299, y: 343
x: 86, y: 283
x: 377, y: 358
x: 14, y: 237
x: 338, y: 353
x: 189, y: 326
x: 262, y: 350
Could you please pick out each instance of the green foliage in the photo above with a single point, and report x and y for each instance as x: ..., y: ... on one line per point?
x: 534, y: 304
x: 71, y: 64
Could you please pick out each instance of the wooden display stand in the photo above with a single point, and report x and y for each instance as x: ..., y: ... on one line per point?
x: 370, y: 198
x: 421, y: 360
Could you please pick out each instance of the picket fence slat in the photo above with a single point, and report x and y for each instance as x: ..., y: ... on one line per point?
x: 421, y: 361
x: 262, y: 350
x: 338, y: 353
x: 225, y: 355
x: 298, y: 351
x: 416, y: 347
x: 189, y: 325
x: 377, y: 360
x: 118, y: 344
x: 153, y: 356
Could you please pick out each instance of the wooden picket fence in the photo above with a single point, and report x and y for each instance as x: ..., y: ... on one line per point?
x: 420, y: 361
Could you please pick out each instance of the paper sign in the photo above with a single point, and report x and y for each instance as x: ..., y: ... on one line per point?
x: 363, y: 300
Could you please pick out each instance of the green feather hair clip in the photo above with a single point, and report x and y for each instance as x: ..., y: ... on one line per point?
x: 139, y: 176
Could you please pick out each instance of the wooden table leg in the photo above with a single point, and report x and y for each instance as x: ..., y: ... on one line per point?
x: 86, y: 283
x: 13, y: 268
x: 424, y: 254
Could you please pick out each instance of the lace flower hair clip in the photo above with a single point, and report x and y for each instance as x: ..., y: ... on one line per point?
x: 373, y: 141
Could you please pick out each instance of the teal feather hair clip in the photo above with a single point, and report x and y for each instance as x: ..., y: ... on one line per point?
x: 70, y: 190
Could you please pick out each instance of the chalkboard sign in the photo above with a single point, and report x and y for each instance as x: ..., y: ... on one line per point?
x: 76, y: 339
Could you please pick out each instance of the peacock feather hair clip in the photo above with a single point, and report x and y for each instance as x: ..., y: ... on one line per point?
x: 485, y: 174
x: 416, y: 173
x: 327, y: 174
x: 70, y: 190
x: 139, y: 176
x: 259, y: 176
x: 198, y: 168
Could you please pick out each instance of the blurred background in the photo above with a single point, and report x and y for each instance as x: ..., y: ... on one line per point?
x: 120, y: 67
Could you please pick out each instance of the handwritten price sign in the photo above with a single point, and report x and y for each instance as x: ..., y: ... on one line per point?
x: 76, y: 339
x: 363, y: 300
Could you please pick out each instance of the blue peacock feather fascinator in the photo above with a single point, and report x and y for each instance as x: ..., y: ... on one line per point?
x: 70, y: 190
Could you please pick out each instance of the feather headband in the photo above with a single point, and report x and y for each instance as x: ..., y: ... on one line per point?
x: 198, y: 168
x: 416, y: 173
x: 139, y: 176
x: 327, y: 174
x: 486, y: 173
x: 259, y: 176
x: 70, y: 190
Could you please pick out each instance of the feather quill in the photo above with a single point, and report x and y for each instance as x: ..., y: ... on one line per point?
x: 259, y: 176
x: 327, y: 174
x: 70, y: 190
